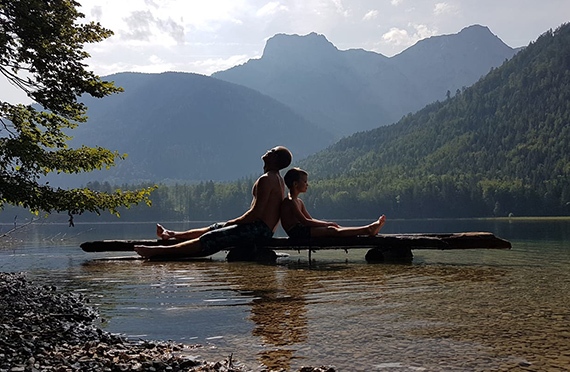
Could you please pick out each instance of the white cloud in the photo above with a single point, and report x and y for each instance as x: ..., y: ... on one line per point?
x: 396, y: 2
x: 340, y: 9
x: 209, y: 66
x: 372, y: 14
x: 195, y: 15
x: 423, y: 31
x: 401, y: 37
x: 444, y: 8
x: 143, y: 25
x: 97, y: 12
x: 271, y: 9
x: 396, y: 36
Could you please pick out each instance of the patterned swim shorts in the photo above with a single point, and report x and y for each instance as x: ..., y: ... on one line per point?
x: 221, y: 237
x: 299, y: 231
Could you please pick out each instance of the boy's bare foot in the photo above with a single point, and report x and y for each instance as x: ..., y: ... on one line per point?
x: 375, y: 227
x: 163, y: 233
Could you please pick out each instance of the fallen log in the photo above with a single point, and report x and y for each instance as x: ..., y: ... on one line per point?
x: 444, y: 241
x: 122, y: 245
x: 382, y: 247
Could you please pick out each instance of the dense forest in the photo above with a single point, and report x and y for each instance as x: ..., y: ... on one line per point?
x: 498, y: 148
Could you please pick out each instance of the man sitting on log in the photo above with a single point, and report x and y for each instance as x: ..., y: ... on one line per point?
x: 259, y: 221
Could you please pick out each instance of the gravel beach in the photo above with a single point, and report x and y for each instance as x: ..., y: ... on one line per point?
x: 44, y: 329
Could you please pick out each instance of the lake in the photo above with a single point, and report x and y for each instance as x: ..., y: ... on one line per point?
x: 446, y: 311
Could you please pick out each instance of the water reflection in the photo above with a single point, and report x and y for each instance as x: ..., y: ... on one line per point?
x: 278, y: 309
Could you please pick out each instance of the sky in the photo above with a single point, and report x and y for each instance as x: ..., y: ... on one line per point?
x: 205, y: 36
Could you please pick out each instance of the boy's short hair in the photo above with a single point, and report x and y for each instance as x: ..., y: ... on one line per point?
x: 284, y: 157
x: 293, y: 175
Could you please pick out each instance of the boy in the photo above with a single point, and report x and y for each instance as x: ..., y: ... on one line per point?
x: 298, y: 223
x: 260, y: 220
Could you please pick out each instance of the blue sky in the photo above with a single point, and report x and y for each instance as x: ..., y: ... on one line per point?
x: 208, y: 36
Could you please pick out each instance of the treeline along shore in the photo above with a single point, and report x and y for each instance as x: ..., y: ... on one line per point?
x: 433, y: 197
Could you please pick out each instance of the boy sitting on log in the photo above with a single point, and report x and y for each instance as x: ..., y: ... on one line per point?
x: 298, y: 223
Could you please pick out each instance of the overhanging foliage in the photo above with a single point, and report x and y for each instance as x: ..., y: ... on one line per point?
x: 41, y: 52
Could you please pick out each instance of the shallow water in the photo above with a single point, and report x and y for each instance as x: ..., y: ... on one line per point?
x: 482, y: 310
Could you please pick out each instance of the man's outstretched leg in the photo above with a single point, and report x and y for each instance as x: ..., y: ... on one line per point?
x: 165, y: 234
x: 189, y: 248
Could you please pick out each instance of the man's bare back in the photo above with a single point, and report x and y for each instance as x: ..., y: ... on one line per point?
x: 270, y: 212
x: 268, y: 192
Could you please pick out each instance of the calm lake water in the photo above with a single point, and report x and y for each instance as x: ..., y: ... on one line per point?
x: 475, y: 310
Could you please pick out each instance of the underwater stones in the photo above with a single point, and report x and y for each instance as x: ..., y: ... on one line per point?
x: 43, y: 329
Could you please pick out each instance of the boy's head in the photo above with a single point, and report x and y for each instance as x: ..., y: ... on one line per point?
x: 279, y: 156
x: 293, y: 175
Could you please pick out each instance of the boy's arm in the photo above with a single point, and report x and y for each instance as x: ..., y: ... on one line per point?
x: 306, y: 219
x: 304, y: 210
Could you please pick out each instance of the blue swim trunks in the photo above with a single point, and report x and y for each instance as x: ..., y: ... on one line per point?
x: 221, y: 237
x: 299, y: 231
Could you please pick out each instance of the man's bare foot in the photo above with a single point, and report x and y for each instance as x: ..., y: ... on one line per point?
x: 163, y: 233
x: 174, y: 251
x: 145, y: 251
x: 375, y: 227
x: 152, y: 251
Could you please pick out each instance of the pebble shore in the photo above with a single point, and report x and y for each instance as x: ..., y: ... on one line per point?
x: 44, y: 329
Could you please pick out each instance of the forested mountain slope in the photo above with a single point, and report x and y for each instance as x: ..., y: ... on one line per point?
x: 182, y: 127
x: 501, y: 146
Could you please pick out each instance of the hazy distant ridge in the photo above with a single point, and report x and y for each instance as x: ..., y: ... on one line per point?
x: 179, y: 127
x: 354, y: 90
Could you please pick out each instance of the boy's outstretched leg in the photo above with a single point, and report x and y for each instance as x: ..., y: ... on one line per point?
x: 163, y: 233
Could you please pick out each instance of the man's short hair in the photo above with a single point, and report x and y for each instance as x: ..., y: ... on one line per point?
x: 284, y: 157
x: 293, y: 175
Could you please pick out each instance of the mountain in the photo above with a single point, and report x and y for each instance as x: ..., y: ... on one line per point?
x: 450, y: 62
x: 189, y: 127
x: 355, y: 90
x: 500, y: 147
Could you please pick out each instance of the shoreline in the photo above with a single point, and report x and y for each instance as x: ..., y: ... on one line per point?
x: 207, y: 222
x: 45, y: 329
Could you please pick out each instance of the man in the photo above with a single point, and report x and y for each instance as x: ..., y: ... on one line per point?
x: 259, y: 221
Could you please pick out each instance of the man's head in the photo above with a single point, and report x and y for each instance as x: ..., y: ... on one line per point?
x: 277, y: 158
x: 294, y: 175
